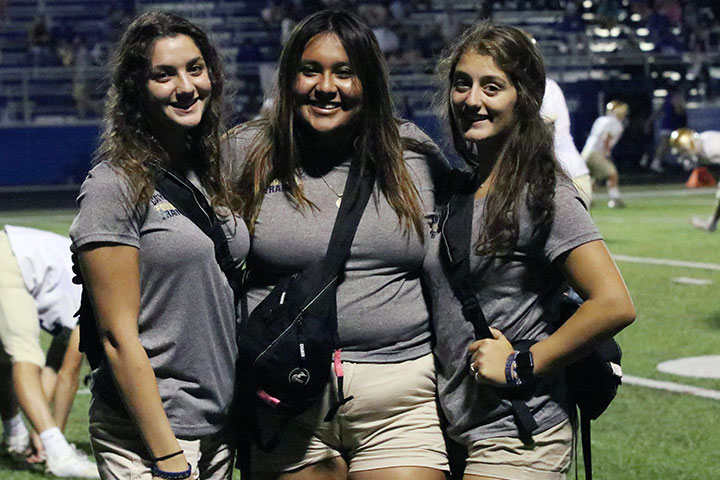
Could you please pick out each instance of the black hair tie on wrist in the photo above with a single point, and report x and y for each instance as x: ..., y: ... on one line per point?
x: 165, y: 457
x: 156, y: 472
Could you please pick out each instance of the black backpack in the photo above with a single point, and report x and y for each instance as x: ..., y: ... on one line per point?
x: 592, y: 381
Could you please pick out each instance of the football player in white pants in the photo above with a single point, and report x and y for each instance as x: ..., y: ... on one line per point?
x: 605, y: 133
x: 554, y: 111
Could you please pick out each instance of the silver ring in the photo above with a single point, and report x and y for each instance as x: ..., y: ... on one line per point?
x: 472, y: 369
x: 477, y: 378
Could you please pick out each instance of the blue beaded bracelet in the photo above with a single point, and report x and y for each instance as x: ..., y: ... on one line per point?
x: 171, y: 475
x: 511, y: 377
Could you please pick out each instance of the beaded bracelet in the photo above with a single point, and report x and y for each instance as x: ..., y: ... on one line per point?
x: 171, y: 475
x: 510, y: 375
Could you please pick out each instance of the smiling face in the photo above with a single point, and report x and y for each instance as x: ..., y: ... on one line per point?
x: 328, y: 94
x: 179, y: 85
x: 482, y: 98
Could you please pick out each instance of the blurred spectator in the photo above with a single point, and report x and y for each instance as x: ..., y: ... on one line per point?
x: 273, y: 13
x: 432, y: 41
x: 81, y: 90
x: 377, y: 17
x: 40, y: 44
x: 662, y: 24
x: 573, y: 25
x: 673, y: 115
x: 607, y: 13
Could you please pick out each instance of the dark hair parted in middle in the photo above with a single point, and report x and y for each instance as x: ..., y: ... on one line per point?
x: 130, y: 135
x: 374, y: 133
x: 525, y: 163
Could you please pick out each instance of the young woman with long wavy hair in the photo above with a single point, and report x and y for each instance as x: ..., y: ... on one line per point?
x: 531, y: 236
x: 164, y: 308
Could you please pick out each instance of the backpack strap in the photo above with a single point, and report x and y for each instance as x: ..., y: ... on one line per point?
x: 585, y: 441
x: 457, y: 239
x: 358, y: 189
x: 191, y: 202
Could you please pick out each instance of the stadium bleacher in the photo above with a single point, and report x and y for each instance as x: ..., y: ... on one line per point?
x: 592, y: 55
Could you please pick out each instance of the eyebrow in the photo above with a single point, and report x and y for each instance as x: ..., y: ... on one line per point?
x: 304, y: 61
x: 192, y: 61
x: 484, y: 78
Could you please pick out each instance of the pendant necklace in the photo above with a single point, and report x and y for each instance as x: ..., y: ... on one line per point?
x: 338, y: 195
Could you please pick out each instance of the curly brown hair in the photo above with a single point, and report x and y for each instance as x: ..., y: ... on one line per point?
x: 129, y: 139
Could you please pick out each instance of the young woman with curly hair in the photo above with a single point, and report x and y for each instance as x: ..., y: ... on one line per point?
x: 164, y: 308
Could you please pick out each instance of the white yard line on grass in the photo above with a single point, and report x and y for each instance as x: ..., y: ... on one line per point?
x: 662, y: 192
x: 668, y: 262
x: 672, y: 387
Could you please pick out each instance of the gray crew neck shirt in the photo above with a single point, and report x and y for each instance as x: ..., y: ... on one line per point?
x: 382, y: 313
x: 187, y: 322
x: 516, y: 292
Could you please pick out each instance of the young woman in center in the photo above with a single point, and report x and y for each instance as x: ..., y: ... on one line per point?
x: 531, y: 236
x: 333, y: 107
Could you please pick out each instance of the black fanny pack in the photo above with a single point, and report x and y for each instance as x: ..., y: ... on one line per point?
x: 286, y: 345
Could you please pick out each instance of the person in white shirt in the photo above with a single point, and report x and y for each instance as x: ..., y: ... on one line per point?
x: 605, y: 133
x: 36, y: 291
x: 699, y: 149
x: 554, y: 111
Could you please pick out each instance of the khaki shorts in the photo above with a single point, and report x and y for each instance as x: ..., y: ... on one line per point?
x: 600, y: 167
x: 546, y: 458
x: 121, y: 454
x: 19, y: 322
x: 392, y: 421
x: 583, y: 184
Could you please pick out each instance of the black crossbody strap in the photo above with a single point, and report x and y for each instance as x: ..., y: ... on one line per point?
x: 191, y: 202
x: 457, y: 239
x: 357, y: 192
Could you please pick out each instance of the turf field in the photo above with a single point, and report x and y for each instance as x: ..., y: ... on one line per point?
x: 647, y: 433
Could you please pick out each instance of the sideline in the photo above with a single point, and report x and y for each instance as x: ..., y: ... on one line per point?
x: 668, y: 262
x: 672, y: 387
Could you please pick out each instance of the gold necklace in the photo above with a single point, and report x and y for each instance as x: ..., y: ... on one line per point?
x: 338, y: 195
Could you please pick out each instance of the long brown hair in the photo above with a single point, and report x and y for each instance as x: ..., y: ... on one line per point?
x: 129, y: 141
x: 276, y: 150
x: 525, y: 168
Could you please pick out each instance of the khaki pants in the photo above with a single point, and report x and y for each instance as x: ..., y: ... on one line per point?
x: 392, y: 421
x: 121, y: 453
x: 546, y: 458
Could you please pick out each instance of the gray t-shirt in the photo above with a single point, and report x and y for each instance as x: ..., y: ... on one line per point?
x: 517, y: 293
x: 187, y: 321
x: 382, y: 313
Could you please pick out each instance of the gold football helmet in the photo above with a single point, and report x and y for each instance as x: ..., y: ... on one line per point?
x: 618, y: 108
x: 685, y: 141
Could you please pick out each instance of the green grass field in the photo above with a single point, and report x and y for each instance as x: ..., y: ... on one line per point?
x: 646, y: 434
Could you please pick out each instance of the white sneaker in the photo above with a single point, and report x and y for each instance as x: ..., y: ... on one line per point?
x: 74, y: 464
x: 17, y: 444
x: 703, y: 224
